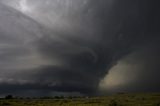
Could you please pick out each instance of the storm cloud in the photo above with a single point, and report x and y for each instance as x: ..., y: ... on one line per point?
x: 78, y: 47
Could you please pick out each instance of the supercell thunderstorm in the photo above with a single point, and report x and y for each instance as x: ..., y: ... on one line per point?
x: 78, y: 47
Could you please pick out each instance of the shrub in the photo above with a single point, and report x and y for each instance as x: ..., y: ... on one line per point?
x: 9, y: 97
x: 113, y: 103
x: 6, y: 104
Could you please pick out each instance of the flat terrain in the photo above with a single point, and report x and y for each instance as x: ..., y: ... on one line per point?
x: 113, y: 100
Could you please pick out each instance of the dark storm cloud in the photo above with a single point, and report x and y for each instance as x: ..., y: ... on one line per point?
x: 127, y: 29
x: 69, y: 46
x: 136, y: 72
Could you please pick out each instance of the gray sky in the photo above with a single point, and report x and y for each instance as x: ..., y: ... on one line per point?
x: 78, y: 47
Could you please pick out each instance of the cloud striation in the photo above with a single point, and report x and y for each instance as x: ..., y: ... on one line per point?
x: 81, y: 47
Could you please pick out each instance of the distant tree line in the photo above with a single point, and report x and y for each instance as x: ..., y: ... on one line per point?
x: 45, y: 97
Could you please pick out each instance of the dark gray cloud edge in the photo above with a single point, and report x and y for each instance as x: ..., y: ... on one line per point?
x: 75, y: 59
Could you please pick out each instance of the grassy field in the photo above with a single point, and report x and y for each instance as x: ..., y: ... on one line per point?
x: 114, y: 100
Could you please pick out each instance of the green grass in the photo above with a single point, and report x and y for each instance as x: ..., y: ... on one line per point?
x: 114, y: 100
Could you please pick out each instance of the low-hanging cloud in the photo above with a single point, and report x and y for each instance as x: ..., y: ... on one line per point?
x: 136, y: 72
x: 69, y: 46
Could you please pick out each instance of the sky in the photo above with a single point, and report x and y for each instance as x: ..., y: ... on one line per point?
x: 79, y: 47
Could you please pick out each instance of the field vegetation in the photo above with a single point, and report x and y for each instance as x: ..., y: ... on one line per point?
x: 112, y: 100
